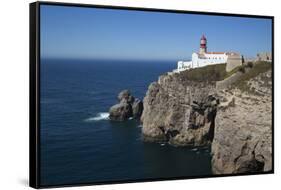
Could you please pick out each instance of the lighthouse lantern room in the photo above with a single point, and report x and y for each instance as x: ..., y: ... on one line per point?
x: 204, y: 58
x: 203, y: 45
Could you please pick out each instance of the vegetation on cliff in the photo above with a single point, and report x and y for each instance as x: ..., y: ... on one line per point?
x: 243, y: 128
x: 218, y: 72
x: 187, y: 109
x: 254, y: 71
x: 209, y: 73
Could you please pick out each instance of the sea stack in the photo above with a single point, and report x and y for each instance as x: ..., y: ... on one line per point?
x: 127, y: 107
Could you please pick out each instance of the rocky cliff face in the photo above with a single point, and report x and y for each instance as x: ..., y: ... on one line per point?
x: 236, y: 124
x: 180, y: 112
x: 243, y: 129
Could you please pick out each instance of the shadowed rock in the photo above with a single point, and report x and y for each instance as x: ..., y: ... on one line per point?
x: 120, y: 112
x: 179, y: 112
x: 236, y: 123
x: 128, y: 107
x: 137, y: 107
x: 243, y: 135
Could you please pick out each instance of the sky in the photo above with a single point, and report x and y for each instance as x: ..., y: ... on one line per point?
x: 96, y: 33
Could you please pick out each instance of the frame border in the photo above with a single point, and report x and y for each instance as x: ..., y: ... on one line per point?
x: 34, y: 88
x: 34, y: 91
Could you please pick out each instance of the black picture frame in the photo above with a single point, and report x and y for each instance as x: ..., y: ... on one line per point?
x: 34, y: 90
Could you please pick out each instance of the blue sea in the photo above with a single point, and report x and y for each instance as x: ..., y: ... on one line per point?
x: 80, y: 145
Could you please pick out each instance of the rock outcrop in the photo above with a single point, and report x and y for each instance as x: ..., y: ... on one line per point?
x: 243, y: 129
x: 137, y: 108
x: 128, y: 107
x: 180, y: 112
x: 236, y: 124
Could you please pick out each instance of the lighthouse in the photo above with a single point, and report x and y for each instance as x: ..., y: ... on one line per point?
x: 203, y: 45
x: 204, y: 58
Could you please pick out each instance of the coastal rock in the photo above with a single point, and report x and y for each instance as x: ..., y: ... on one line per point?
x: 179, y: 111
x: 120, y: 112
x: 236, y: 121
x: 243, y: 133
x: 126, y: 95
x: 127, y: 107
x: 137, y: 108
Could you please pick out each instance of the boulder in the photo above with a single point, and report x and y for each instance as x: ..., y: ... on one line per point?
x: 124, y: 94
x: 120, y: 112
x: 127, y: 106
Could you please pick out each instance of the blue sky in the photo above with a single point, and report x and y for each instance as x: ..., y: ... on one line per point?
x: 90, y: 33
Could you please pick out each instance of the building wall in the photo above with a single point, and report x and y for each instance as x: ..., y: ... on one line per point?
x: 201, y: 60
x: 208, y: 59
x: 202, y: 50
x: 233, y: 61
x: 264, y: 56
x: 184, y: 65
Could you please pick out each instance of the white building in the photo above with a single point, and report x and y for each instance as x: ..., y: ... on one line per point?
x: 264, y: 56
x: 204, y: 58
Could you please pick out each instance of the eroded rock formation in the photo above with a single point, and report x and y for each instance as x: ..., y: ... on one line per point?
x: 128, y: 107
x: 243, y: 132
x: 179, y: 112
x: 237, y: 124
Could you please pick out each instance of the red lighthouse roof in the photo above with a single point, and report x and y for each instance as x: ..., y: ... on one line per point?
x: 203, y: 37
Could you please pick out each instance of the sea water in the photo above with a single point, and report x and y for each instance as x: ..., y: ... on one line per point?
x: 79, y: 144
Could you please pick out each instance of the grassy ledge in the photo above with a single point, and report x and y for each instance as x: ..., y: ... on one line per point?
x: 207, y: 73
x: 258, y: 68
x: 212, y: 73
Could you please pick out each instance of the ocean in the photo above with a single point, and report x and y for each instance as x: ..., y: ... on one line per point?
x: 79, y: 144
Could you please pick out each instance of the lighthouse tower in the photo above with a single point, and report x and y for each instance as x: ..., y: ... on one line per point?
x: 203, y: 45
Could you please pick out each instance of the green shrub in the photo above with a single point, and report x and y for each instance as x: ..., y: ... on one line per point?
x: 257, y: 68
x: 218, y: 72
x: 207, y: 73
x: 250, y: 64
x: 242, y: 69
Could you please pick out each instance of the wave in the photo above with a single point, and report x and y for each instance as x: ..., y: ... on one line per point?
x: 99, y: 116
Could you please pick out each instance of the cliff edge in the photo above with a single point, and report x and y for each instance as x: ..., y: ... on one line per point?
x: 180, y: 108
x: 243, y: 128
x: 186, y: 109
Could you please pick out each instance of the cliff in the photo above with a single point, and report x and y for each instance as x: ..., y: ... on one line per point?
x: 186, y: 109
x: 181, y: 107
x: 243, y: 129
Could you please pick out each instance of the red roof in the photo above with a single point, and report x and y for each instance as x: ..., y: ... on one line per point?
x: 232, y: 53
x: 227, y: 53
x: 216, y: 52
x: 203, y: 37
